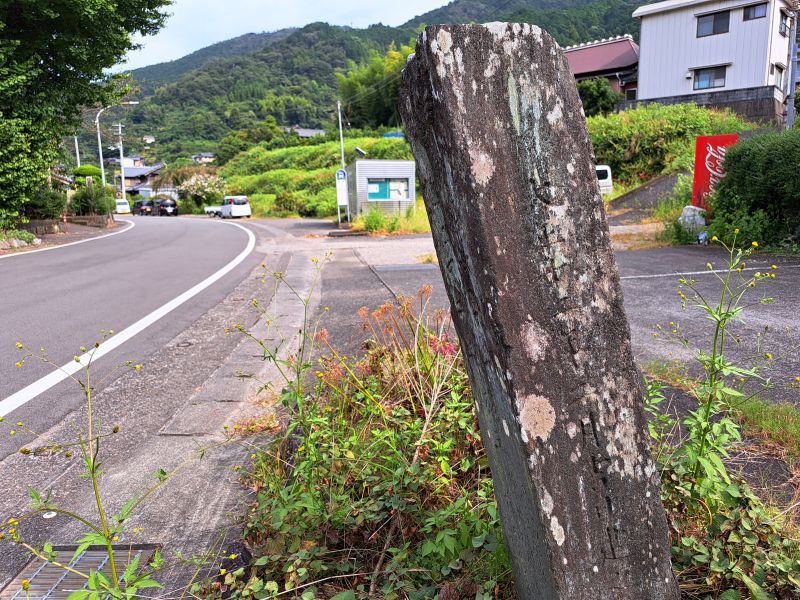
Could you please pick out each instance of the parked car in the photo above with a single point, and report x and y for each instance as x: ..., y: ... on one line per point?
x: 168, y: 208
x: 235, y: 206
x: 213, y: 211
x: 122, y: 207
x: 604, y: 179
x: 143, y: 207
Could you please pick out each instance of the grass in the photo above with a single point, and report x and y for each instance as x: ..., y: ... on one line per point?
x: 381, y: 224
x: 668, y: 210
x: 777, y: 424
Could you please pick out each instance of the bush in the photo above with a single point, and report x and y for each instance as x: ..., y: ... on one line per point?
x: 598, y: 97
x: 46, y: 204
x: 17, y: 234
x: 760, y: 195
x: 375, y: 220
x: 642, y: 143
x: 87, y: 171
x: 92, y: 200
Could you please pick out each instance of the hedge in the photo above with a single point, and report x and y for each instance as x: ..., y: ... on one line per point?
x: 651, y: 140
x: 760, y: 194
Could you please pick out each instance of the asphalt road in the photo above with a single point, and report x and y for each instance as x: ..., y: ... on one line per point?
x: 650, y: 286
x: 61, y: 299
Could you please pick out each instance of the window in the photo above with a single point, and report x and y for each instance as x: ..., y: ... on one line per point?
x: 713, y: 77
x: 713, y: 24
x: 779, y: 77
x: 757, y: 11
x: 784, y: 26
x: 387, y: 189
x: 630, y: 94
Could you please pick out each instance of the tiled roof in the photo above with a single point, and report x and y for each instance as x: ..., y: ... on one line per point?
x: 603, y: 55
x: 131, y: 172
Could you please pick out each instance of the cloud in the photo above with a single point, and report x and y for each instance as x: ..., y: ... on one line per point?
x: 195, y: 24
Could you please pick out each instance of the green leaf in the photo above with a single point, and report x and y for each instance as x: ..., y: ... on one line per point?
x: 131, y: 569
x: 148, y: 583
x: 756, y: 591
x: 348, y: 595
x: 90, y: 539
x: 730, y: 595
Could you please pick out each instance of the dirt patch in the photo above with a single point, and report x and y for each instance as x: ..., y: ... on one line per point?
x: 636, y: 237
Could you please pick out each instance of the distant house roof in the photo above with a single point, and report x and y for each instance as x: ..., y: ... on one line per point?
x: 304, y: 132
x: 135, y: 172
x: 613, y: 54
x: 203, y: 155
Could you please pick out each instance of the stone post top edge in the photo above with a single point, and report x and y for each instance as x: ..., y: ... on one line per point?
x: 498, y: 29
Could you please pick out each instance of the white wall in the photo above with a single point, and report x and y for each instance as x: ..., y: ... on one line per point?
x: 670, y: 48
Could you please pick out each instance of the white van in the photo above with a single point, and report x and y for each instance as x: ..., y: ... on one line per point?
x: 235, y: 206
x: 122, y: 207
x: 604, y: 179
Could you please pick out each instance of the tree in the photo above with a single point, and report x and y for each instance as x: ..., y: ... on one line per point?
x: 597, y: 96
x: 370, y: 91
x: 53, y: 61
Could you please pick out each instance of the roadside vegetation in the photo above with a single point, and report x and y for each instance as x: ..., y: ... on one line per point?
x: 652, y: 140
x: 377, y: 486
x: 760, y: 195
x: 376, y: 221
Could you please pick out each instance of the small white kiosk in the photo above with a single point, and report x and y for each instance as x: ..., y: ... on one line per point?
x: 385, y: 185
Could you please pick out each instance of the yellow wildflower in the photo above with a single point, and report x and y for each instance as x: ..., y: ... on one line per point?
x: 755, y: 244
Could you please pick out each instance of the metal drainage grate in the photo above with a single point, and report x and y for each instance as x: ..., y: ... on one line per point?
x: 49, y: 582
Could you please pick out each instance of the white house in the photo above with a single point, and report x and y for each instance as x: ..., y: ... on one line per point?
x: 733, y: 53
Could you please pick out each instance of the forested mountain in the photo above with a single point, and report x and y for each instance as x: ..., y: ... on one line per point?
x: 151, y: 77
x: 293, y: 76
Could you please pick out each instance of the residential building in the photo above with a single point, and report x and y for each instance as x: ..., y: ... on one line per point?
x: 204, y: 158
x: 141, y: 177
x: 148, y: 139
x: 615, y: 59
x: 724, y: 53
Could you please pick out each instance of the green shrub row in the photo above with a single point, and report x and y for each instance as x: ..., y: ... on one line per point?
x: 760, y: 195
x: 291, y: 191
x: 259, y: 159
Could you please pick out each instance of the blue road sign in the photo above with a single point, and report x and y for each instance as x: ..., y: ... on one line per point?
x: 341, y: 175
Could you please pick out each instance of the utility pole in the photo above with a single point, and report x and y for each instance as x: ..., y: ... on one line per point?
x: 77, y: 152
x: 792, y: 94
x: 100, y: 139
x: 121, y: 163
x: 341, y: 133
x: 341, y: 146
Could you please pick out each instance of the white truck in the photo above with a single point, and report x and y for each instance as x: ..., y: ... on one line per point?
x: 235, y: 206
x: 213, y: 211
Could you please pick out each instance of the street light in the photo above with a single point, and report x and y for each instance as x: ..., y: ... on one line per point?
x: 100, y: 140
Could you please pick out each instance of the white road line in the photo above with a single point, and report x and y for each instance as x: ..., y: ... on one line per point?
x: 718, y: 271
x: 130, y: 226
x: 28, y: 393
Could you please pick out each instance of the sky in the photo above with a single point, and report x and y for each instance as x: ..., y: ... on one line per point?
x: 195, y: 24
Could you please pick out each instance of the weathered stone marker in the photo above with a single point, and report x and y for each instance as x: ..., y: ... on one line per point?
x: 507, y: 169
